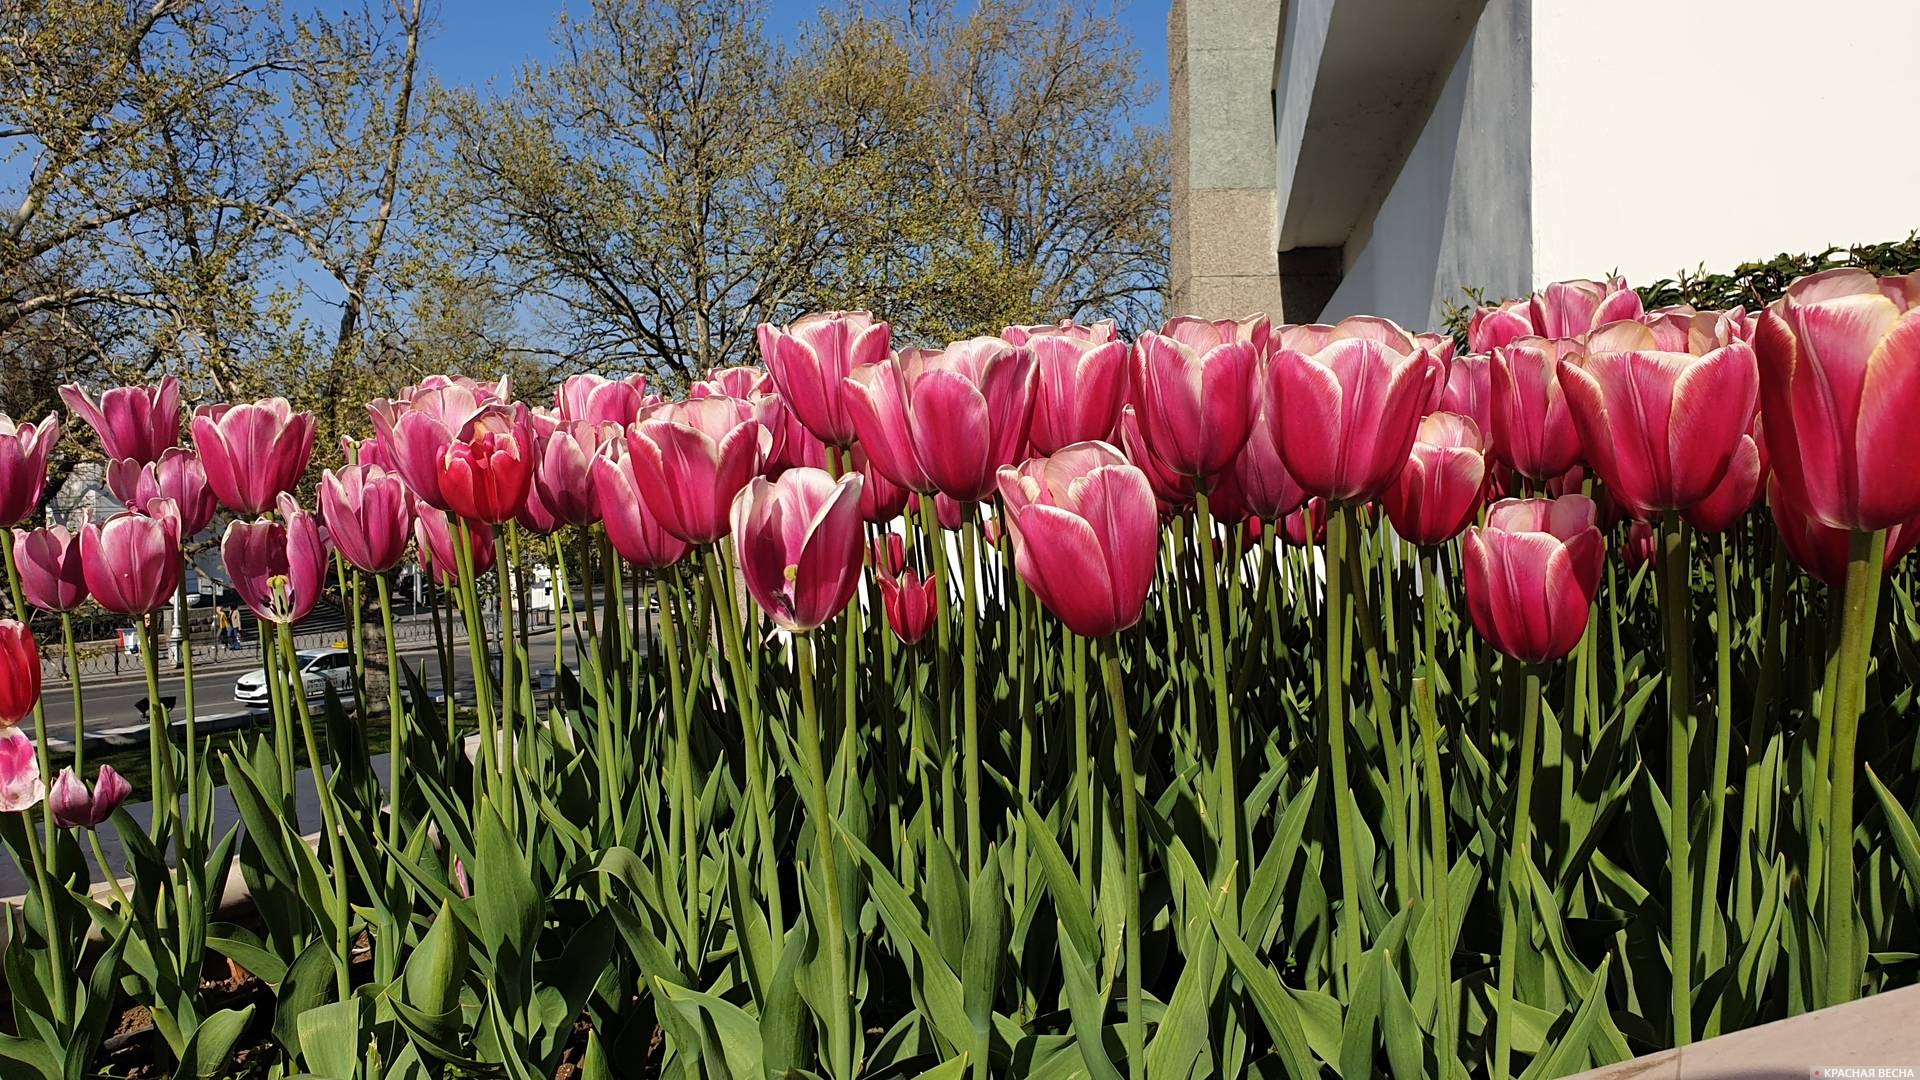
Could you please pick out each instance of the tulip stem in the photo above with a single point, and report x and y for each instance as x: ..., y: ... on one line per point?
x: 329, y: 816
x: 1438, y: 884
x: 1136, y: 1031
x: 509, y: 659
x: 1083, y: 767
x: 1708, y: 894
x: 39, y: 708
x: 1514, y: 909
x: 166, y: 804
x: 839, y: 1009
x: 969, y: 685
x: 943, y: 677
x: 1759, y: 727
x: 1351, y: 934
x: 60, y: 982
x: 1228, y: 825
x: 1865, y: 561
x: 396, y: 731
x: 79, y: 705
x: 1676, y: 603
x: 759, y: 799
x: 192, y: 836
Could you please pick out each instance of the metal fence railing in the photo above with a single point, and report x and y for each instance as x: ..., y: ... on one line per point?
x: 120, y: 656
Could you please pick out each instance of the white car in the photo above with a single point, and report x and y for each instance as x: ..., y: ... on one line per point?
x: 319, y: 669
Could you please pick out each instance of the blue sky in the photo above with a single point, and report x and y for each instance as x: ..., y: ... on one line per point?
x: 481, y: 39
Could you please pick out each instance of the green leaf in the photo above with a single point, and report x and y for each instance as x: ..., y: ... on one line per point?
x: 1568, y: 1051
x: 504, y: 897
x: 1906, y: 840
x: 1086, y: 1010
x: 212, y: 1044
x: 1276, y: 1006
x: 330, y: 1039
x: 987, y: 935
x: 737, y: 1033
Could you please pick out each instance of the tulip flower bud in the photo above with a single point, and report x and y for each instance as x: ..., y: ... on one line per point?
x: 369, y: 516
x: 910, y: 602
x: 52, y: 572
x: 132, y: 562
x: 24, y: 452
x: 253, y: 453
x: 1086, y: 535
x: 278, y: 567
x: 19, y: 672
x: 798, y: 539
x: 137, y: 422
x: 74, y: 807
x: 810, y: 360
x: 1532, y: 571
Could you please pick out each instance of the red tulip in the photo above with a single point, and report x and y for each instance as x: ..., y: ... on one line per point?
x: 137, y: 422
x: 24, y: 450
x: 967, y: 408
x: 417, y: 429
x: 1086, y: 535
x: 1492, y: 327
x: 19, y: 672
x: 1659, y: 427
x: 1195, y: 406
x: 598, y: 399
x: 1823, y: 551
x: 1532, y: 571
x: 1445, y: 478
x: 132, y: 562
x: 253, y: 453
x: 636, y: 534
x: 1533, y: 430
x: 1469, y: 390
x: 1640, y: 545
x: 21, y: 787
x: 799, y: 543
x: 1081, y: 386
x: 176, y: 474
x: 74, y: 807
x: 435, y: 532
x: 888, y: 553
x: 369, y: 516
x: 810, y: 360
x: 1096, y: 333
x: 881, y: 500
x: 950, y: 513
x: 564, y: 481
x: 1350, y: 409
x: 1840, y: 375
x: 1171, y: 490
x: 278, y: 566
x: 487, y: 470
x: 690, y: 458
x: 1567, y: 309
x: 739, y: 381
x: 1307, y: 526
x: 52, y: 573
x: 910, y: 603
x: 1736, y: 493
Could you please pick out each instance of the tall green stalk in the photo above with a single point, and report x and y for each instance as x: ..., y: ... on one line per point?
x: 1709, y: 891
x: 1225, y: 786
x: 840, y: 1019
x: 1676, y: 604
x: 1136, y: 1029
x: 329, y: 816
x: 969, y: 684
x: 1861, y: 606
x: 396, y: 729
x: 1514, y: 906
x: 1350, y: 936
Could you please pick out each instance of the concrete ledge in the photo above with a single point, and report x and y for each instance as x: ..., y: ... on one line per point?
x: 1882, y: 1031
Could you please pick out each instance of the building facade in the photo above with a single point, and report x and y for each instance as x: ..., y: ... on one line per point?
x: 1338, y: 157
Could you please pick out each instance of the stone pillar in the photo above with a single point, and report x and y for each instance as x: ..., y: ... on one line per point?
x: 1220, y: 66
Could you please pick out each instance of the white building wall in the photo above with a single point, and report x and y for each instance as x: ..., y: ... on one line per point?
x: 1670, y: 135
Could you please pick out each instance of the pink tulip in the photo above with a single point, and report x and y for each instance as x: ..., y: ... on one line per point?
x: 1445, y: 478
x: 598, y: 399
x: 1738, y: 490
x: 742, y: 381
x: 176, y: 474
x: 417, y: 430
x: 690, y: 458
x: 20, y: 666
x: 74, y: 807
x: 799, y: 543
x: 1171, y: 490
x: 876, y: 400
x: 636, y: 534
x: 487, y: 470
x: 369, y: 516
x: 810, y: 360
x: 132, y: 561
x: 910, y: 603
x: 1081, y: 386
x: 435, y: 532
x: 372, y: 450
x: 881, y: 500
x: 1659, y: 427
x: 21, y: 787
x: 52, y: 573
x: 1095, y: 333
x: 1640, y: 546
x: 278, y: 567
x: 1840, y: 379
x: 888, y: 553
x: 1086, y: 535
x: 1469, y: 389
x: 1195, y: 407
x: 1823, y: 551
x: 1441, y: 348
x: 24, y: 450
x: 791, y: 445
x: 252, y: 453
x: 1567, y: 309
x: 1533, y: 430
x: 951, y: 513
x: 1532, y: 571
x: 495, y: 392
x: 564, y: 482
x: 137, y: 422
x: 968, y: 408
x: 1204, y: 335
x: 1350, y: 409
x: 1307, y: 526
x: 1682, y: 329
x: 1492, y: 327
